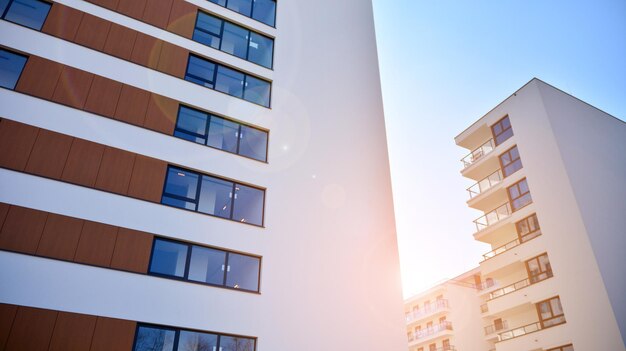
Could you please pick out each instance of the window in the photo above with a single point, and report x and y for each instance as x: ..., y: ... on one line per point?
x: 528, y: 228
x: 502, y: 130
x: 260, y: 10
x: 429, y: 326
x: 420, y: 349
x: 510, y: 161
x: 233, y: 39
x: 550, y: 312
x: 29, y: 13
x: 213, y: 196
x: 11, y: 66
x: 220, y: 133
x: 432, y: 347
x: 569, y: 347
x: 229, y: 81
x: 538, y: 268
x: 519, y: 194
x: 205, y: 265
x: 159, y: 338
x: 442, y: 320
x: 446, y: 344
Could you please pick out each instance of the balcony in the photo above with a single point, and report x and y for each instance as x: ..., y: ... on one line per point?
x: 494, y: 216
x: 511, y: 244
x: 521, y: 331
x: 439, y: 305
x: 485, y: 184
x: 519, y: 285
x: 490, y: 329
x: 445, y: 348
x: 436, y: 329
x: 478, y: 153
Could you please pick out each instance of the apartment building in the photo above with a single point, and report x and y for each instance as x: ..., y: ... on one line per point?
x: 445, y: 317
x: 549, y: 175
x: 188, y: 175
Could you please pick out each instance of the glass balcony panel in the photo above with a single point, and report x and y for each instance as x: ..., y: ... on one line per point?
x: 478, y: 153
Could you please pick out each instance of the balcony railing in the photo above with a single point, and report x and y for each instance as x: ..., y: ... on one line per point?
x: 490, y: 329
x: 421, y: 334
x: 485, y: 184
x: 493, y: 216
x: 484, y: 308
x: 439, y: 305
x: 445, y: 348
x: 510, y: 245
x: 517, y: 332
x: 520, y: 285
x: 478, y: 153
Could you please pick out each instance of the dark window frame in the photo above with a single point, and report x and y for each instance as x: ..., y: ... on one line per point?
x: 208, y: 125
x: 10, y: 2
x: 197, y: 196
x: 27, y: 57
x: 502, y: 130
x: 179, y: 330
x: 521, y: 195
x: 251, y: 12
x: 185, y: 277
x: 513, y: 161
x: 220, y: 35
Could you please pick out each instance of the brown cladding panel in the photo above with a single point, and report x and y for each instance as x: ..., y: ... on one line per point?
x: 132, y: 250
x: 109, y: 4
x: 39, y: 77
x: 22, y: 229
x: 73, y: 87
x: 49, y: 154
x: 97, y: 241
x: 7, y: 315
x: 83, y: 163
x: 132, y: 105
x: 182, y: 18
x: 115, y: 171
x: 157, y: 12
x: 146, y: 51
x: 4, y: 210
x: 60, y: 237
x: 16, y: 143
x: 147, y: 180
x: 72, y: 332
x: 92, y: 32
x: 32, y: 329
x: 173, y: 60
x: 161, y: 115
x: 103, y: 96
x: 62, y: 22
x: 120, y: 41
x: 132, y: 8
x: 113, y: 334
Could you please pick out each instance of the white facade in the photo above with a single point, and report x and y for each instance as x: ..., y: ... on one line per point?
x: 330, y: 270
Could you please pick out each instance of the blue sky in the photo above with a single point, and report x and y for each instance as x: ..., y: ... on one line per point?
x: 443, y: 65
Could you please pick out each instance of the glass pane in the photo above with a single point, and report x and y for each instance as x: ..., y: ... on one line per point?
x: 235, y: 40
x: 244, y: 7
x: 215, y: 197
x: 229, y: 81
x: 207, y: 265
x: 257, y: 91
x: 3, y: 6
x: 265, y: 11
x: 514, y: 192
x: 208, y: 30
x: 260, y: 50
x: 514, y: 153
x: 557, y: 309
x: 223, y: 134
x: 11, y: 66
x: 169, y: 258
x: 233, y: 343
x: 523, y: 186
x: 166, y: 200
x: 506, y: 123
x: 194, y: 341
x: 497, y: 128
x: 533, y: 267
x: 200, y: 71
x: 522, y: 227
x: 253, y: 143
x: 29, y: 13
x: 248, y: 204
x: 219, y: 2
x: 154, y: 339
x: 505, y: 159
x: 243, y: 272
x: 544, y: 263
x: 181, y: 183
x: 192, y: 121
x: 504, y: 136
x: 544, y: 310
x: 534, y: 223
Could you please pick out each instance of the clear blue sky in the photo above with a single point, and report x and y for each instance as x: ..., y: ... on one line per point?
x: 443, y: 65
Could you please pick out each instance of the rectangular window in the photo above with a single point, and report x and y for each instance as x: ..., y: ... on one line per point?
x: 502, y: 130
x: 205, y: 265
x: 538, y: 268
x: 519, y: 195
x: 233, y: 39
x: 569, y: 347
x: 432, y: 347
x: 28, y: 13
x: 220, y: 133
x: 232, y: 82
x: 213, y: 196
x: 261, y: 10
x: 550, y: 312
x: 510, y: 161
x: 11, y: 66
x: 159, y: 338
x: 446, y: 344
x: 528, y: 228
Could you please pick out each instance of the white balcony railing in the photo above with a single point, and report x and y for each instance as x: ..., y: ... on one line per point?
x: 477, y: 154
x: 494, y: 216
x: 485, y: 184
x: 422, y: 334
x: 437, y: 306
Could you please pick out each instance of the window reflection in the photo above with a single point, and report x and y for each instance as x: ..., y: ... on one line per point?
x: 154, y: 339
x: 29, y: 13
x: 11, y: 66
